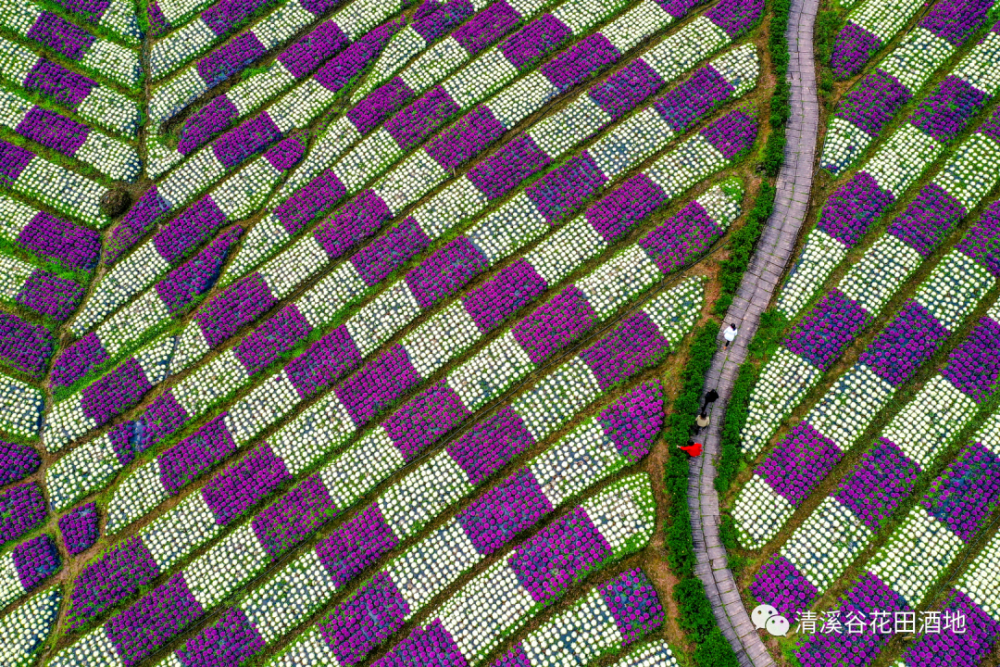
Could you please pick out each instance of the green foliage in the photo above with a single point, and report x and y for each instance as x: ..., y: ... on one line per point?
x: 827, y: 26
x: 774, y: 149
x: 741, y: 247
x: 769, y: 330
x: 736, y: 416
x: 716, y: 651
x: 696, y: 616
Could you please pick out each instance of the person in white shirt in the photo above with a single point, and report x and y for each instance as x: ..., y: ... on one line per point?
x: 730, y: 335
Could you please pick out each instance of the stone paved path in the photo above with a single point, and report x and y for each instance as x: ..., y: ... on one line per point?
x: 759, y: 284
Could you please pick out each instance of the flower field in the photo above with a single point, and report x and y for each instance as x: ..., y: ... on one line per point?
x: 352, y: 332
x: 864, y: 509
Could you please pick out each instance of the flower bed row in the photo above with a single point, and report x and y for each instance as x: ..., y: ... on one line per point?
x: 623, y: 611
x: 432, y: 21
x: 118, y: 16
x: 302, y: 510
x: 234, y: 199
x: 119, y: 390
x: 833, y: 425
x: 620, y: 435
x: 349, y: 55
x: 337, y: 486
x: 25, y: 173
x: 47, y: 237
x: 405, y: 585
x: 665, y: 62
x: 920, y: 550
x: 26, y: 566
x: 100, y: 57
x: 484, y: 30
x: 485, y: 75
x: 112, y: 157
x: 515, y: 589
x: 20, y: 407
x: 38, y: 290
x: 871, y: 104
x: 410, y: 580
x: 295, y: 63
x: 868, y: 28
x: 28, y: 626
x: 286, y: 17
x: 24, y: 346
x: 210, y: 164
x: 845, y: 523
x: 961, y: 184
x: 368, y: 329
x: 688, y: 101
x: 855, y: 206
x: 93, y: 102
x: 976, y: 597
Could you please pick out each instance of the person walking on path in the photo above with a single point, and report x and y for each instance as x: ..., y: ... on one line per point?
x: 730, y: 335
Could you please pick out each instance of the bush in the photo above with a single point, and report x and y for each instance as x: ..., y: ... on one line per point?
x: 696, y: 615
x: 736, y: 416
x: 716, y: 651
x: 741, y: 247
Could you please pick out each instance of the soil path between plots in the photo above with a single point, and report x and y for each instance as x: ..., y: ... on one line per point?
x: 759, y: 283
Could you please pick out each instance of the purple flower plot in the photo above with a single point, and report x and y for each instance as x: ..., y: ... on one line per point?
x: 904, y: 344
x: 295, y: 516
x: 503, y: 511
x: 365, y: 620
x: 551, y: 561
x: 966, y: 492
x: 633, y: 421
x: 79, y: 528
x: 973, y: 366
x: 821, y: 336
x: 27, y: 347
x: 873, y: 102
x: 50, y: 295
x: 555, y: 324
x: 425, y: 419
x: 881, y: 480
x: 634, y: 604
x: 688, y: 103
x: 229, y: 641
x: 377, y: 385
x: 800, y: 461
x: 944, y: 114
x: 46, y: 235
x: 486, y: 27
x: 955, y: 20
x: 927, y: 219
x: 17, y: 461
x: 951, y: 649
x: 504, y: 294
x: 354, y: 546
x: 854, y: 47
x: 230, y: 493
x: 618, y: 356
x: 781, y: 585
x: 154, y: 620
x: 732, y: 134
x: 982, y: 241
x: 534, y: 41
x: 118, y: 574
x: 35, y: 560
x: 74, y: 361
x: 490, y: 444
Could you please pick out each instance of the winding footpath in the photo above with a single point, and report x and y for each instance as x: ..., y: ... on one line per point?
x: 774, y: 250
